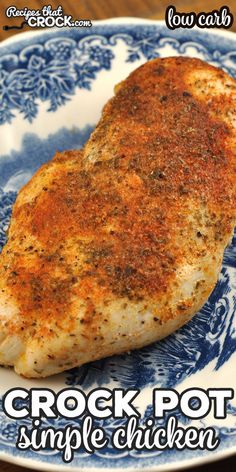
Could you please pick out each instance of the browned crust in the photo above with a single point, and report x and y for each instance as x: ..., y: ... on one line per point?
x: 124, y: 204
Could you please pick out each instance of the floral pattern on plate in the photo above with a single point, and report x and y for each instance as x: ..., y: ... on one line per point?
x: 49, y: 69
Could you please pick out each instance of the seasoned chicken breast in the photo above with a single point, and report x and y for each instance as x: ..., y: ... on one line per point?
x: 118, y: 245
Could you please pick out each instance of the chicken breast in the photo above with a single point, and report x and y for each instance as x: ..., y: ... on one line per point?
x: 118, y: 245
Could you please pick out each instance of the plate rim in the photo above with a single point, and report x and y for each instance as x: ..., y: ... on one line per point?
x: 177, y: 465
x: 120, y: 20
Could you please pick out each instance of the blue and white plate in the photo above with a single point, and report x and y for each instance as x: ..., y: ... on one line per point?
x: 53, y: 85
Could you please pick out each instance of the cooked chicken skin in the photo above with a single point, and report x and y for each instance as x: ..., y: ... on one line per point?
x: 118, y: 245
